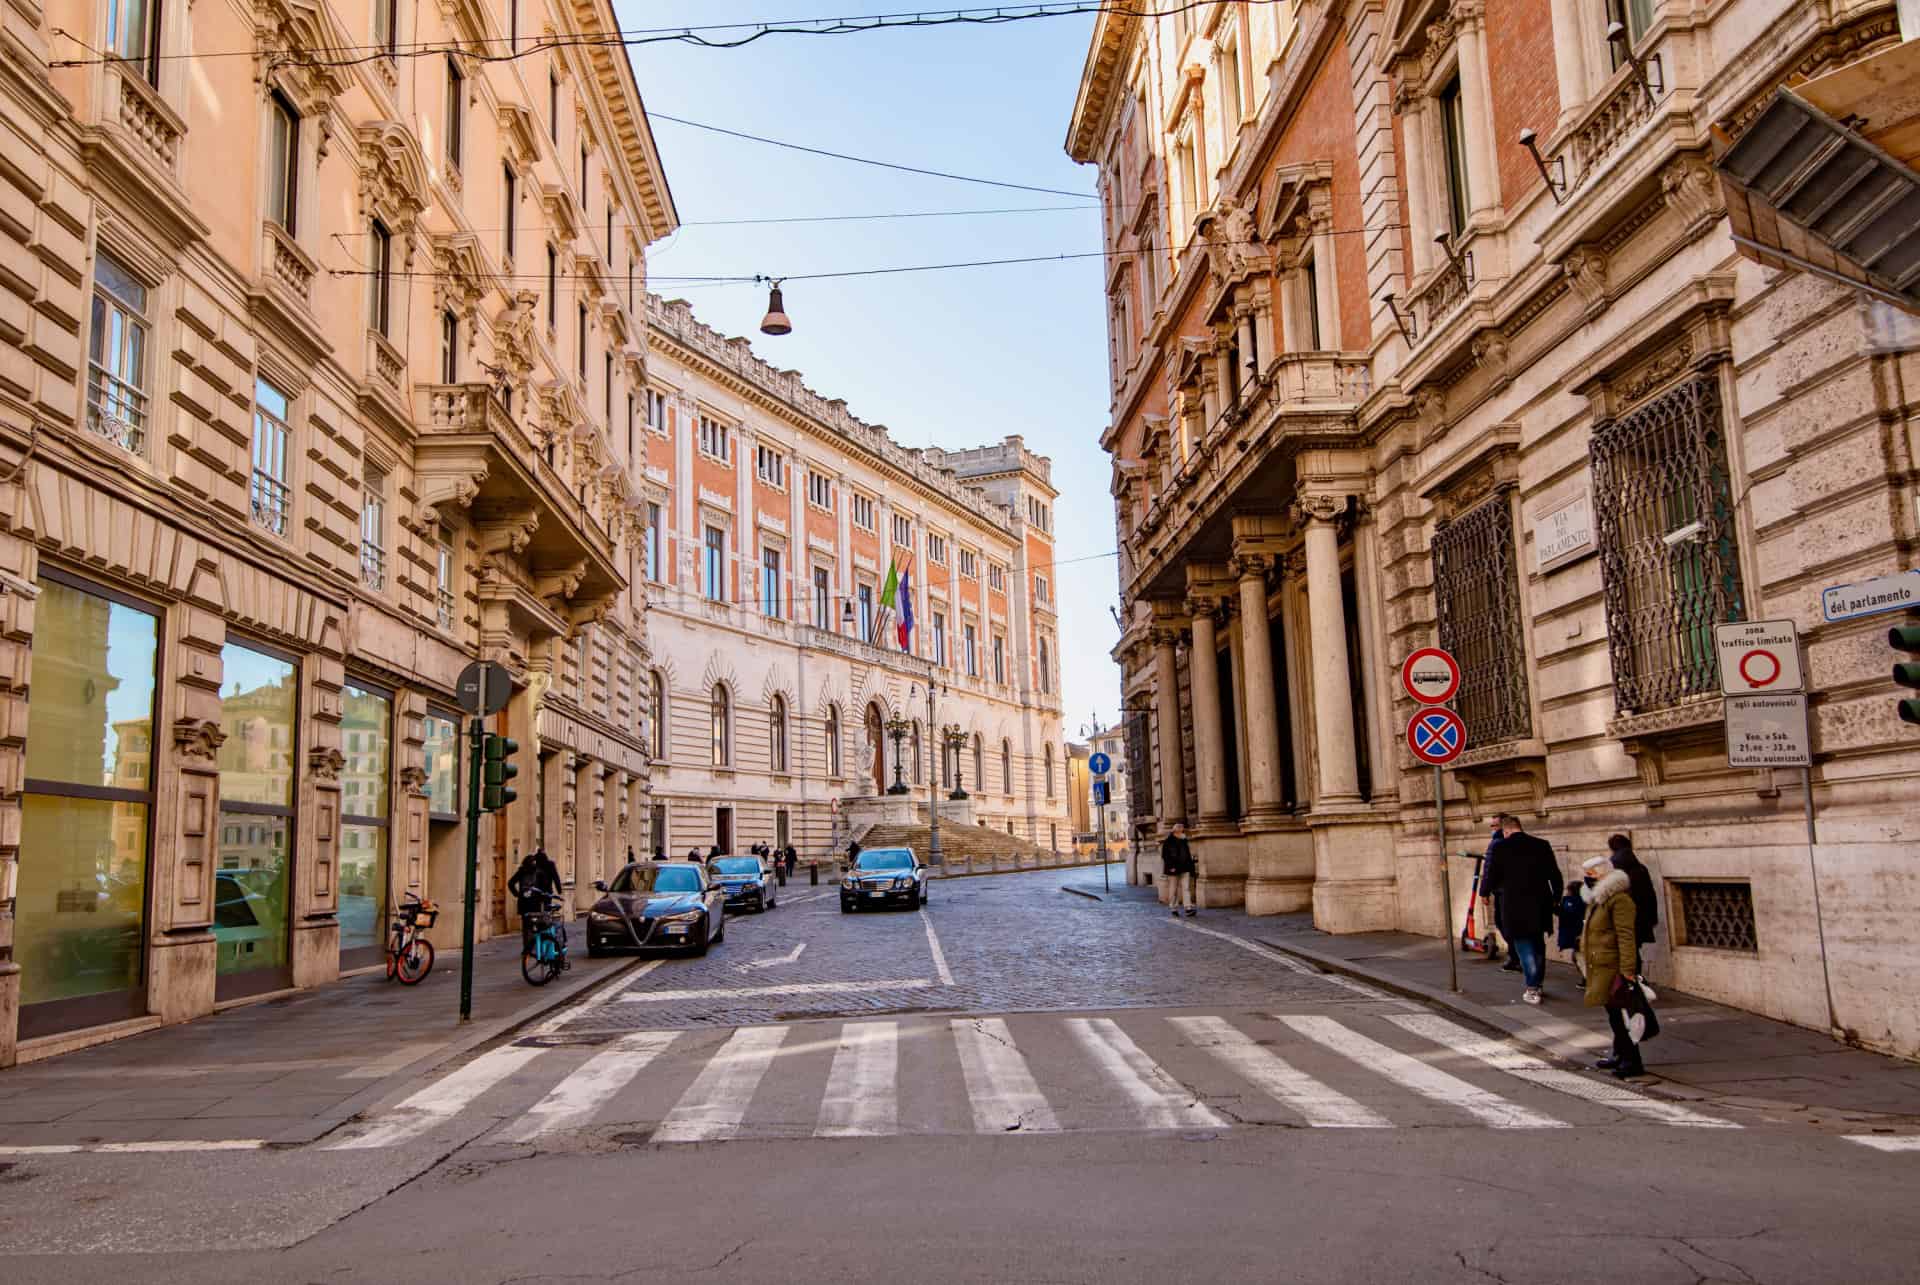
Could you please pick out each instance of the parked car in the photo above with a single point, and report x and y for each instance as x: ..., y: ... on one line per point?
x: 884, y: 877
x: 749, y: 882
x: 651, y: 906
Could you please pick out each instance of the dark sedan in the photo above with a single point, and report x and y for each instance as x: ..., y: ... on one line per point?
x: 655, y: 905
x: 749, y: 882
x: 884, y: 877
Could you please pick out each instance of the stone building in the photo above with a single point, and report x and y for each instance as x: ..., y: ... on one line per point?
x: 309, y: 368
x: 771, y: 516
x: 1428, y: 328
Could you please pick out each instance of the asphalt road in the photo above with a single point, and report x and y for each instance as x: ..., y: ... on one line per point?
x: 1016, y: 1084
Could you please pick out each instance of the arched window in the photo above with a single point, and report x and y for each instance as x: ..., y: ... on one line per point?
x: 1006, y: 767
x: 913, y: 747
x: 876, y: 737
x: 833, y: 740
x: 777, y: 733
x: 722, y: 727
x: 949, y: 759
x: 657, y: 713
x: 1049, y: 757
x: 979, y: 764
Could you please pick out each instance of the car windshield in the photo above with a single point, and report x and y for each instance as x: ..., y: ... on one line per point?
x: 738, y: 865
x: 886, y: 859
x: 657, y: 878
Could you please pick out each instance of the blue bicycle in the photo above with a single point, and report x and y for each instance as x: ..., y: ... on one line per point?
x: 543, y: 951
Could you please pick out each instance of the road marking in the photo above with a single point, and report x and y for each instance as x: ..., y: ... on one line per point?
x: 1524, y: 1066
x: 999, y: 1085
x: 939, y: 956
x: 572, y: 1102
x: 1886, y: 1142
x: 788, y: 958
x: 795, y: 988
x: 380, y: 1068
x: 440, y: 1100
x: 1428, y: 1081
x: 862, y: 1097
x: 615, y: 989
x: 1321, y: 1106
x: 1163, y: 1102
x: 717, y: 1100
x: 1289, y: 962
x: 136, y: 1148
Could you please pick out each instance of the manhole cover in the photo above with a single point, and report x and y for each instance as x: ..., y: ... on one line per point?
x: 585, y: 1039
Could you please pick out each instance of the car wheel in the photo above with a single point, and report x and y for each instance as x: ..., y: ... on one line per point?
x: 846, y: 908
x: 722, y: 934
x: 595, y: 950
x: 705, y: 940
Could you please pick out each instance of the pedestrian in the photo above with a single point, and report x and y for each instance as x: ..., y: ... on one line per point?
x: 630, y: 857
x: 1176, y: 862
x: 1612, y: 954
x: 693, y: 854
x: 1499, y: 923
x: 533, y: 885
x: 1646, y: 906
x: 659, y: 852
x: 793, y: 859
x: 1522, y: 872
x: 713, y: 853
x: 1570, y: 916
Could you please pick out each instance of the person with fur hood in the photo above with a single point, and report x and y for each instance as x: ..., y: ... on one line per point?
x: 1611, y: 947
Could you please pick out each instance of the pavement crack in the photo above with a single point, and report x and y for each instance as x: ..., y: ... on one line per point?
x: 726, y: 1257
x: 1460, y: 1256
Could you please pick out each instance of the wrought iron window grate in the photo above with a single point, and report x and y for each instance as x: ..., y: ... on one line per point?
x: 1669, y: 554
x: 1140, y: 762
x: 1477, y: 597
x: 1717, y: 915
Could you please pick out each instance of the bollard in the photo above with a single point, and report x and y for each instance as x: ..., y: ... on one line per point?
x: 813, y: 872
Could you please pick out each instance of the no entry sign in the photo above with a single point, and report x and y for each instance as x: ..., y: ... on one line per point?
x: 1436, y: 736
x: 1431, y: 676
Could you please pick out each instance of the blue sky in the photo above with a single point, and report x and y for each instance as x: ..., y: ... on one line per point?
x: 955, y: 358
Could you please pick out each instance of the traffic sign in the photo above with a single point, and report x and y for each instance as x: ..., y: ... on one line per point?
x: 1758, y: 656
x: 484, y: 688
x: 1100, y: 794
x: 1768, y: 731
x: 1896, y: 592
x: 1099, y: 764
x: 1436, y: 736
x: 1431, y: 676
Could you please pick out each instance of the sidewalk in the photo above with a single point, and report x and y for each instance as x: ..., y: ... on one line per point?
x: 285, y: 1070
x: 1704, y: 1050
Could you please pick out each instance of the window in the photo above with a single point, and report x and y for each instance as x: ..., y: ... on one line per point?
x: 1000, y: 659
x: 1477, y: 599
x: 656, y: 410
x: 630, y: 453
x: 913, y: 746
x: 1453, y: 139
x: 865, y: 596
x: 581, y: 351
x: 657, y: 714
x: 513, y: 26
x: 117, y: 356
x: 656, y: 543
x: 1039, y: 514
x: 606, y: 388
x: 1227, y: 66
x: 1046, y: 664
x: 716, y: 565
x: 366, y: 717
x: 902, y: 531
x: 939, y: 638
x: 1310, y: 288
x: 373, y: 525
x: 1006, y: 769
x: 970, y: 648
x: 510, y: 190
x: 1041, y: 589
x: 822, y: 599
x: 722, y: 709
x: 583, y: 177
x: 133, y: 34
x: 456, y: 112
x: 1189, y: 180
x: 553, y: 287
x: 936, y: 549
x: 1669, y: 558
x: 283, y: 168
x: 969, y: 565
x: 770, y: 466
x: 553, y: 104
x: 449, y: 347
x: 443, y: 580
x: 777, y: 734
x: 380, y: 279
x: 996, y: 577
x: 1049, y: 767
x: 1636, y: 16
x: 979, y: 764
x: 833, y: 740
x: 770, y: 583
x: 1714, y: 915
x: 820, y: 490
x: 715, y: 440
x: 269, y: 494
x: 259, y: 710
x: 861, y: 511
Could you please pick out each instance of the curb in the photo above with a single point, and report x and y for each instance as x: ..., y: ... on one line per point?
x: 1090, y: 896
x: 463, y: 1042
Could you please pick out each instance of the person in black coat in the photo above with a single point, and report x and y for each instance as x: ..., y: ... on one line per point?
x: 1522, y: 872
x: 1176, y: 861
x: 534, y: 883
x: 1513, y: 958
x: 792, y: 859
x: 1646, y: 905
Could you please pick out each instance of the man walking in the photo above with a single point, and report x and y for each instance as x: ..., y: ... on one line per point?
x: 1176, y: 860
x: 1522, y: 872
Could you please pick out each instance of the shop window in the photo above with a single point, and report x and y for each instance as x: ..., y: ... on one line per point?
x: 366, y: 722
x: 117, y: 356
x: 259, y: 708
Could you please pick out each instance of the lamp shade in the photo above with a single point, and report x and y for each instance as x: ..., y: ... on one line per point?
x: 776, y: 321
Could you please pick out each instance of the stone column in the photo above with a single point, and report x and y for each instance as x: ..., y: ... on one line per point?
x: 1209, y: 747
x: 1476, y: 101
x: 1413, y: 125
x: 1570, y: 21
x: 1256, y: 666
x: 1173, y: 790
x: 316, y: 897
x: 1339, y: 771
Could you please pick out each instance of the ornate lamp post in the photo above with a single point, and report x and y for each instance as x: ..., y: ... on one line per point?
x: 933, y: 781
x: 897, y: 729
x: 955, y: 737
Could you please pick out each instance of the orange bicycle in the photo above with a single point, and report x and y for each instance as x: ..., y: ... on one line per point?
x: 410, y: 955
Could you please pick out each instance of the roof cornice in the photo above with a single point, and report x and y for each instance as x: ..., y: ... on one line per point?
x: 1112, y: 34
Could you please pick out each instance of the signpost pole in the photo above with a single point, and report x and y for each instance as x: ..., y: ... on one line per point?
x: 1106, y: 876
x: 1819, y: 922
x: 1446, y: 878
x: 477, y: 735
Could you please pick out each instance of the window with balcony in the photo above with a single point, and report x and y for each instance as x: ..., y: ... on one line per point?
x: 133, y: 35
x: 822, y: 599
x: 449, y: 346
x: 283, y: 163
x: 117, y: 356
x: 770, y: 466
x: 820, y: 490
x: 1636, y: 16
x: 861, y: 510
x: 865, y: 600
x: 443, y: 580
x: 1310, y: 304
x: 373, y: 531
x: 456, y: 113
x: 716, y: 442
x: 714, y: 581
x: 770, y: 604
x: 1453, y: 141
x: 270, y: 498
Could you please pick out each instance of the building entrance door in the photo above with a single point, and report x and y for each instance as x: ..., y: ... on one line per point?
x: 723, y: 829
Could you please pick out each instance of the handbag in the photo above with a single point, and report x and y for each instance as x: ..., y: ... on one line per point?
x: 1636, y: 1006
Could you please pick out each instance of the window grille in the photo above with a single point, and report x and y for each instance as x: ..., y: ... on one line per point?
x: 1477, y: 598
x: 373, y: 522
x: 1718, y: 916
x: 1139, y: 766
x: 1663, y: 511
x: 117, y: 357
x: 269, y: 494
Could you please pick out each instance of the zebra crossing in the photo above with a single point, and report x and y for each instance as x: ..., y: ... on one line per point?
x: 1025, y: 1073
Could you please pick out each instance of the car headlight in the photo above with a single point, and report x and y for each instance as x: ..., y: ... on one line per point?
x: 903, y: 883
x: 684, y: 917
x: 602, y: 917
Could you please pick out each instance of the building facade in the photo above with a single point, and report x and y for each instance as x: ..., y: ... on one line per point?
x: 1428, y: 328
x: 771, y: 517
x: 311, y: 393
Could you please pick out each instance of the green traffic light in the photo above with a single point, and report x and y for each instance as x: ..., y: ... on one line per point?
x: 1906, y: 673
x: 497, y: 771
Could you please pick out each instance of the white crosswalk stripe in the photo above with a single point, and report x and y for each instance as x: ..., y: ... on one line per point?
x: 1886, y: 1142
x: 862, y: 1098
x: 999, y: 1085
x: 1163, y: 1103
x: 441, y: 1100
x: 1321, y: 1106
x: 1428, y: 1081
x: 573, y: 1101
x: 718, y: 1099
x: 1505, y: 1057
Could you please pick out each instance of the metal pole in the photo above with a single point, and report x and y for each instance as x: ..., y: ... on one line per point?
x: 477, y: 734
x: 1106, y: 875
x: 933, y: 778
x: 1446, y: 880
x: 1819, y: 924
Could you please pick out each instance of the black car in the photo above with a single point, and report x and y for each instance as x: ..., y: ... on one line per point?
x: 657, y: 906
x: 884, y: 877
x: 749, y: 882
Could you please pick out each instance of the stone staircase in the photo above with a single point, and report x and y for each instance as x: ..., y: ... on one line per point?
x: 970, y: 849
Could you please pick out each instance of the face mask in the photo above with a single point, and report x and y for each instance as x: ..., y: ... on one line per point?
x: 1591, y: 881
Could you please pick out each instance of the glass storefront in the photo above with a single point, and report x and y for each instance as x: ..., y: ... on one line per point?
x: 80, y: 909
x: 252, y: 884
x: 365, y: 732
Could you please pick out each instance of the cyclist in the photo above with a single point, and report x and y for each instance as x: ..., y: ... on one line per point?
x: 537, y: 880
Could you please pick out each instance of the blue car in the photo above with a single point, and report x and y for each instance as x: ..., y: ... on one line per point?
x: 749, y: 882
x: 652, y: 905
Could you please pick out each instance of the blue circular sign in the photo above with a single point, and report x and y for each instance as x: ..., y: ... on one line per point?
x: 1436, y: 735
x: 1099, y: 764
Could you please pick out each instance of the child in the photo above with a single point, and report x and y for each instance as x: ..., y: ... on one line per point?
x: 1570, y: 917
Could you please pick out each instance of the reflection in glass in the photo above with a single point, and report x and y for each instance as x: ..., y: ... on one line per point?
x: 365, y: 728
x: 82, y: 891
x: 257, y: 712
x: 363, y: 886
x: 250, y: 892
x: 363, y: 737
x: 442, y: 737
x: 90, y: 721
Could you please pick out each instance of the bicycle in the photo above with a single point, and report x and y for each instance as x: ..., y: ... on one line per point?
x: 410, y: 955
x: 543, y: 951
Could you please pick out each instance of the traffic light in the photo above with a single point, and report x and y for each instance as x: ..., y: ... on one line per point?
x: 1906, y: 673
x: 498, y: 770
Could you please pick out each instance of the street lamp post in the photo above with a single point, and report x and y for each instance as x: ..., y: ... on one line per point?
x: 956, y: 740
x: 897, y: 728
x: 933, y: 781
